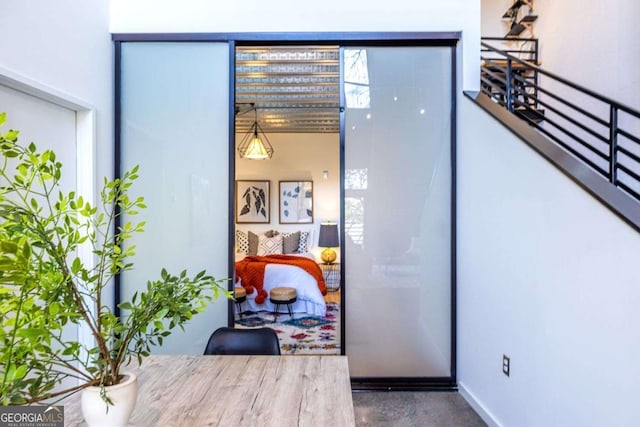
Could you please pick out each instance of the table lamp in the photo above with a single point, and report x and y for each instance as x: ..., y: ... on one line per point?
x: 328, y: 239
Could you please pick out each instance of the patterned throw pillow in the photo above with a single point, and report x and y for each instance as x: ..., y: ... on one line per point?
x: 242, y: 242
x: 269, y: 245
x: 304, y: 243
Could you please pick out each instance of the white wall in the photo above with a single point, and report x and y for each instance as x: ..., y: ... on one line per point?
x: 63, y: 48
x: 65, y: 45
x: 492, y: 24
x: 301, y: 157
x: 595, y: 44
x: 154, y: 16
x: 548, y: 276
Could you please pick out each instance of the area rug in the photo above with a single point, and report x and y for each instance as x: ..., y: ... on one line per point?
x: 302, y: 334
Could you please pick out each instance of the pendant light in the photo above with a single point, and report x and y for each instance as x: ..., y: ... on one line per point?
x: 255, y: 145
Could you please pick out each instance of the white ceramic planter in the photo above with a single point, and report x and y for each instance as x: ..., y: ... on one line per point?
x: 98, y: 413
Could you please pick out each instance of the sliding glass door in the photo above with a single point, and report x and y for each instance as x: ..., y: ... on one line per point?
x: 174, y: 124
x: 397, y: 193
x: 397, y: 211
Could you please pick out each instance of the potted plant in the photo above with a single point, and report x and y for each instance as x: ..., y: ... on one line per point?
x: 45, y: 287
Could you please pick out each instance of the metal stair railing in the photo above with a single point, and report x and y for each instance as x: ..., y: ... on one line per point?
x: 603, y: 133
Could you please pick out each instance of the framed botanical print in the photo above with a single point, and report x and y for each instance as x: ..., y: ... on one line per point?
x: 252, y: 202
x: 296, y: 202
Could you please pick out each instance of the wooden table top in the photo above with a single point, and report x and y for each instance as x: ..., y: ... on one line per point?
x: 238, y: 391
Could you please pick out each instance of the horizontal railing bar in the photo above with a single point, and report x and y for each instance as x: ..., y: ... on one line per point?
x: 583, y: 89
x: 628, y: 153
x: 493, y: 86
x: 573, y: 137
x: 497, y: 75
x: 526, y: 81
x: 499, y: 90
x: 628, y: 171
x: 573, y: 106
x: 499, y: 78
x: 570, y: 149
x: 568, y: 118
x: 493, y: 64
x: 486, y: 91
x: 628, y: 135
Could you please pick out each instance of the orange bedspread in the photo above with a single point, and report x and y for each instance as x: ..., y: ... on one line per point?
x: 251, y: 270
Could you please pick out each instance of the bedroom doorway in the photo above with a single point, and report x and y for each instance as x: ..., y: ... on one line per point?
x: 290, y: 96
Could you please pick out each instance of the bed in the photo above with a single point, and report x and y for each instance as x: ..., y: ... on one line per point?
x: 310, y: 299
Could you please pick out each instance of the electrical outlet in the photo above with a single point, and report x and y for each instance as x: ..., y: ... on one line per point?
x: 506, y: 364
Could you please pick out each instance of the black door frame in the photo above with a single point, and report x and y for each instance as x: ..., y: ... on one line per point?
x: 342, y: 39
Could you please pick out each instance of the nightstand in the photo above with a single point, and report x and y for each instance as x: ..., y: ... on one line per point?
x: 331, y: 274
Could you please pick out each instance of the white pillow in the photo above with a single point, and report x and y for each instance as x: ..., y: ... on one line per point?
x: 269, y: 245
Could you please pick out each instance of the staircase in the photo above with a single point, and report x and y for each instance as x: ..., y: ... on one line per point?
x: 508, y: 77
x: 512, y: 83
x: 603, y: 134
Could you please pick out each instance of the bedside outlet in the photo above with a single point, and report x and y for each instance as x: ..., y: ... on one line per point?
x: 506, y: 364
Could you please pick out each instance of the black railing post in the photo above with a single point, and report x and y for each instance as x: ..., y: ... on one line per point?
x: 613, y: 144
x: 509, y: 88
x: 536, y: 79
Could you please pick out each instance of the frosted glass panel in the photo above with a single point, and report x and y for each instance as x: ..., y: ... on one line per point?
x: 397, y: 212
x: 175, y: 104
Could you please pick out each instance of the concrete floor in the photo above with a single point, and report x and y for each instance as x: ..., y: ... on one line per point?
x: 404, y: 408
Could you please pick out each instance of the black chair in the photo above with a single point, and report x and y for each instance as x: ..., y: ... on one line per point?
x: 260, y: 341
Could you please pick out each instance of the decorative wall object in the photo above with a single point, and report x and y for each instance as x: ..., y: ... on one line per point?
x: 252, y: 202
x: 296, y: 202
x: 520, y: 21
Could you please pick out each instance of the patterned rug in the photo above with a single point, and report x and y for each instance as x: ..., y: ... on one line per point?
x: 302, y: 334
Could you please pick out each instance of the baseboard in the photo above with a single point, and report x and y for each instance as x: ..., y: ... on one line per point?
x: 477, y: 406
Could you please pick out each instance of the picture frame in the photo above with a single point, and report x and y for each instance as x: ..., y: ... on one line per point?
x: 295, y: 199
x: 252, y: 201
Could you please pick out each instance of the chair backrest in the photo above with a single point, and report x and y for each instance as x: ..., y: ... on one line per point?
x: 260, y: 341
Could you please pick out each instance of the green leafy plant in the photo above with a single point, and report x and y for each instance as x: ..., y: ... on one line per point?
x: 46, y: 287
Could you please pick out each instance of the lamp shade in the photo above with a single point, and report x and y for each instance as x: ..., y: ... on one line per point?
x: 328, y: 239
x: 254, y: 144
x: 328, y: 235
x: 256, y: 150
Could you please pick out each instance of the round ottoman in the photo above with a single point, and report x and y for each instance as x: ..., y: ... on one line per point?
x: 283, y: 295
x: 240, y: 296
